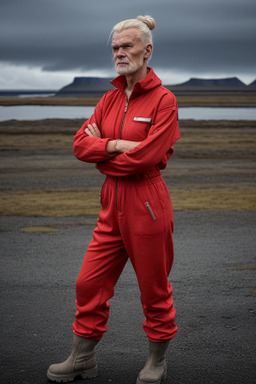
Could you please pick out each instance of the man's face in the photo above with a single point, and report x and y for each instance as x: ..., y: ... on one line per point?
x: 129, y: 51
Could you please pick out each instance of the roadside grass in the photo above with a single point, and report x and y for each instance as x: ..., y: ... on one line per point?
x: 86, y: 201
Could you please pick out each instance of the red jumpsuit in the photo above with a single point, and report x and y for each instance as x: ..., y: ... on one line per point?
x: 136, y: 219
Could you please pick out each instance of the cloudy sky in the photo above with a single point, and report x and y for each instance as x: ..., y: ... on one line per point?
x: 44, y: 44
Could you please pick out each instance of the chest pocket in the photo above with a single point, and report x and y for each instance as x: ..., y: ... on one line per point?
x: 137, y: 129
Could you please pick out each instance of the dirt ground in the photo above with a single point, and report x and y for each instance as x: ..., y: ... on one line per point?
x: 213, y: 167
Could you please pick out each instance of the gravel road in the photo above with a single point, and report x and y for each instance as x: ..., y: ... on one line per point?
x: 213, y: 279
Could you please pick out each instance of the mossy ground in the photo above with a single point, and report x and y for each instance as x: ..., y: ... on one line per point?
x: 214, y: 167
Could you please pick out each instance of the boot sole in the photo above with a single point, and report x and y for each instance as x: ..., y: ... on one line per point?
x: 88, y: 374
x: 155, y: 382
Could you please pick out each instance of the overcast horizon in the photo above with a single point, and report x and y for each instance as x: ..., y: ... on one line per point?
x: 44, y: 44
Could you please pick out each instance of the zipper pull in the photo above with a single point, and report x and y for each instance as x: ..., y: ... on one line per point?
x: 150, y: 210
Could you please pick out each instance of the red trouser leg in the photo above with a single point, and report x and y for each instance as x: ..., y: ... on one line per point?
x: 146, y: 225
x: 103, y: 263
x: 138, y: 223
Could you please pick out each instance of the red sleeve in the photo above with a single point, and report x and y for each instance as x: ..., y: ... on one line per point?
x: 91, y: 149
x: 151, y: 151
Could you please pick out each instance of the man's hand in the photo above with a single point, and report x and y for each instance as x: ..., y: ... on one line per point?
x: 121, y: 146
x: 113, y: 146
x: 92, y: 130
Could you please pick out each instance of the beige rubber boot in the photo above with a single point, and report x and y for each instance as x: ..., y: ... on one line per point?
x: 155, y: 370
x: 82, y: 362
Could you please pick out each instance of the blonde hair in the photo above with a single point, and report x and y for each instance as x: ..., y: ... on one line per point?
x: 144, y: 24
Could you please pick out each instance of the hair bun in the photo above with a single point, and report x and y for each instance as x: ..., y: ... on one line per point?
x: 148, y: 20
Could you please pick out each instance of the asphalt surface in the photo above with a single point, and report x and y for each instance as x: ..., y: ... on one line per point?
x: 213, y: 279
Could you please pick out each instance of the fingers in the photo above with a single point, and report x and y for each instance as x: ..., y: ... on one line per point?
x: 92, y: 130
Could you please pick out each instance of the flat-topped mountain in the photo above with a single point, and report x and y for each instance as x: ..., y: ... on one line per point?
x: 87, y: 84
x: 212, y: 83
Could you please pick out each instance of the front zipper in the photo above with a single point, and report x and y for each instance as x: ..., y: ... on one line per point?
x: 125, y: 110
x: 121, y: 133
x: 150, y: 210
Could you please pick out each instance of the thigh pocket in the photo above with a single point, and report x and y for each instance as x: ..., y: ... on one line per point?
x: 149, y: 220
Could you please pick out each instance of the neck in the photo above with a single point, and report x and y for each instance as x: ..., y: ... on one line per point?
x: 132, y: 79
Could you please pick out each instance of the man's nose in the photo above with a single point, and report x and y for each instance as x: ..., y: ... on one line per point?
x: 120, y: 52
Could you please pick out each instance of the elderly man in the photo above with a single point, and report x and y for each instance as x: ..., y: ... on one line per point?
x: 130, y: 137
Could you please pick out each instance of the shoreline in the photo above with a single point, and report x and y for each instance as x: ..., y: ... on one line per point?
x: 197, y: 99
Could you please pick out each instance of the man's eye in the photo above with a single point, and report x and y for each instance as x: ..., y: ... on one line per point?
x: 125, y: 46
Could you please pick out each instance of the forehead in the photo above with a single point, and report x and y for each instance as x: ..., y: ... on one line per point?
x: 126, y: 35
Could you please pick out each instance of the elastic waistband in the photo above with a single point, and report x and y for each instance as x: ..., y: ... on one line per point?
x: 147, y: 178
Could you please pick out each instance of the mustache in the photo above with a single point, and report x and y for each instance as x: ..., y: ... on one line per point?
x: 122, y: 62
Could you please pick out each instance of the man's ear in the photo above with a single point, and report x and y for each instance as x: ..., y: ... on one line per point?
x: 148, y: 51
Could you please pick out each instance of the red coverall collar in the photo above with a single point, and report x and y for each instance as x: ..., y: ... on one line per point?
x: 150, y: 81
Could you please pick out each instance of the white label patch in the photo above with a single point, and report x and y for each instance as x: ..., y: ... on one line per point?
x: 142, y: 119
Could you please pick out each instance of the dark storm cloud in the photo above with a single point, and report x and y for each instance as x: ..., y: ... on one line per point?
x: 195, y: 35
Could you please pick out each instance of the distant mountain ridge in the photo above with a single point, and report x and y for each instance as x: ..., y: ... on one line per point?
x: 99, y: 85
x: 94, y: 85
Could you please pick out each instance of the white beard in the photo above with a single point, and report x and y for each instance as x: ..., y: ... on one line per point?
x: 128, y: 69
